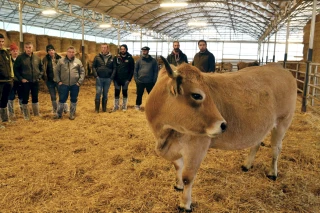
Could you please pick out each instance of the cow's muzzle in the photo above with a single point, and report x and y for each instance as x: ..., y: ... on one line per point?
x: 217, y: 129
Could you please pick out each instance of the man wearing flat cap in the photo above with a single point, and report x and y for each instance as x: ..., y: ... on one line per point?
x: 145, y: 74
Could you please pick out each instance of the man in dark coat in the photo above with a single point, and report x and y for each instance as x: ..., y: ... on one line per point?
x: 204, y: 60
x: 177, y: 57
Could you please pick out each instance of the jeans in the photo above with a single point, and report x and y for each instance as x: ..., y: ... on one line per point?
x: 117, y: 88
x: 140, y: 91
x: 16, y: 89
x: 53, y: 89
x: 5, y: 88
x: 26, y: 88
x: 102, y: 86
x: 64, y: 93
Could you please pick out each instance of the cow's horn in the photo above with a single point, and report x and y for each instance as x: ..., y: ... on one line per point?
x: 171, y: 73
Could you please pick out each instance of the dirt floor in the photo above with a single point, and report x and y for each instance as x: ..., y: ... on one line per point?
x: 106, y: 163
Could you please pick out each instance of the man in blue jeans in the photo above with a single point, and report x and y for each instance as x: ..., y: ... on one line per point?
x: 69, y: 74
x: 104, y: 69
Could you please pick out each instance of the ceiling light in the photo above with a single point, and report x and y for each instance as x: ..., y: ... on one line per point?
x: 105, y: 25
x: 136, y: 33
x: 49, y: 12
x: 197, y: 23
x: 174, y: 4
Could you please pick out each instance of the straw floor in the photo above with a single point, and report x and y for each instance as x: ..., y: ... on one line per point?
x: 106, y: 163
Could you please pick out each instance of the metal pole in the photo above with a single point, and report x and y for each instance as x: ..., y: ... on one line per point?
x: 287, y: 42
x: 118, y: 36
x: 268, y: 50
x: 274, y: 48
x: 262, y: 52
x: 309, y: 58
x: 140, y: 41
x: 20, y: 26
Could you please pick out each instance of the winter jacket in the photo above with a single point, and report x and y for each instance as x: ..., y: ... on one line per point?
x: 6, y: 71
x: 124, y: 68
x: 28, y: 67
x: 103, y: 69
x: 146, y: 70
x: 204, y: 61
x: 69, y: 71
x: 48, y: 68
x: 181, y: 56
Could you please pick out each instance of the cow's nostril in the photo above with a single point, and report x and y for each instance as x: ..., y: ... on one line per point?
x: 223, y: 126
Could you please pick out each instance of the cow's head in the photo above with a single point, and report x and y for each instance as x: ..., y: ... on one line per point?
x: 181, y: 100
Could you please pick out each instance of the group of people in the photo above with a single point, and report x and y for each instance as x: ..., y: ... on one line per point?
x: 20, y: 75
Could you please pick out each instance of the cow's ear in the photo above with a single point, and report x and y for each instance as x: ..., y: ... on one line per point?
x: 171, y: 73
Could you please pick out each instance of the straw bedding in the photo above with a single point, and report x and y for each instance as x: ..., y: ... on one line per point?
x: 106, y: 163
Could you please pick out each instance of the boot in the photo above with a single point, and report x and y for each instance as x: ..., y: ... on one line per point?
x: 4, y: 114
x: 12, y: 116
x: 66, y: 108
x: 73, y: 107
x: 104, y: 106
x: 124, y: 104
x: 54, y: 107
x: 20, y: 106
x: 35, y: 109
x: 97, y: 106
x: 26, y: 112
x: 116, y: 105
x: 60, y: 109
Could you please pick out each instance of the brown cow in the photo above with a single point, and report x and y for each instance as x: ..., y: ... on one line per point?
x: 188, y: 110
x: 242, y: 65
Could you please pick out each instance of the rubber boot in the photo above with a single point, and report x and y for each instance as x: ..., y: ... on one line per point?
x: 20, y: 106
x: 73, y: 107
x: 12, y: 116
x: 66, y: 108
x: 4, y: 114
x: 104, y: 106
x: 26, y: 112
x: 35, y: 109
x: 60, y: 109
x: 116, y: 105
x: 124, y: 104
x: 97, y: 106
x: 54, y: 107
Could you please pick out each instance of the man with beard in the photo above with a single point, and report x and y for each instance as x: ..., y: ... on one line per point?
x: 145, y: 74
x: 124, y: 71
x: 28, y: 70
x: 177, y: 57
x: 204, y: 60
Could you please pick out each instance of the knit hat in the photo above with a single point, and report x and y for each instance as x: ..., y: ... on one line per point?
x: 13, y: 46
x: 125, y: 46
x: 49, y: 47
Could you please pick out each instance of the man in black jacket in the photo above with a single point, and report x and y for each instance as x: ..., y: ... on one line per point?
x: 28, y: 69
x: 103, y: 70
x: 6, y: 76
x: 204, y: 60
x: 124, y: 71
x: 177, y: 57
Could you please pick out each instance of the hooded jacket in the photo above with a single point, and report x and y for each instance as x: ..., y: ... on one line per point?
x: 6, y: 72
x: 69, y: 71
x: 28, y: 67
x: 172, y: 58
x: 124, y: 67
x: 48, y: 68
x: 146, y: 70
x: 204, y: 61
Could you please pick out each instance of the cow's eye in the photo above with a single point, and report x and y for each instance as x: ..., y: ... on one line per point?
x: 196, y: 96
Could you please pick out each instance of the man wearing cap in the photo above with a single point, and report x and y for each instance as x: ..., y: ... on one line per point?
x: 124, y: 71
x: 204, y: 60
x: 145, y: 74
x: 103, y: 70
x: 28, y: 70
x: 6, y: 76
x: 17, y: 87
x: 49, y: 65
x: 177, y: 57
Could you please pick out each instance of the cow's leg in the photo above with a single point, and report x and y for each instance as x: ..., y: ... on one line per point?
x: 252, y: 154
x: 178, y: 165
x: 193, y: 153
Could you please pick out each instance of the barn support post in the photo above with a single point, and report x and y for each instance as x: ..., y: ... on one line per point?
x: 259, y: 51
x: 20, y: 26
x: 274, y: 47
x: 140, y: 41
x: 262, y: 52
x: 82, y: 42
x: 287, y: 44
x: 309, y: 58
x: 118, y: 36
x: 267, y: 50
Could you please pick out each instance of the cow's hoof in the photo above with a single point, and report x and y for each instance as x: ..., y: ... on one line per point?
x: 177, y: 189
x: 184, y: 210
x: 272, y: 177
x: 244, y: 169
